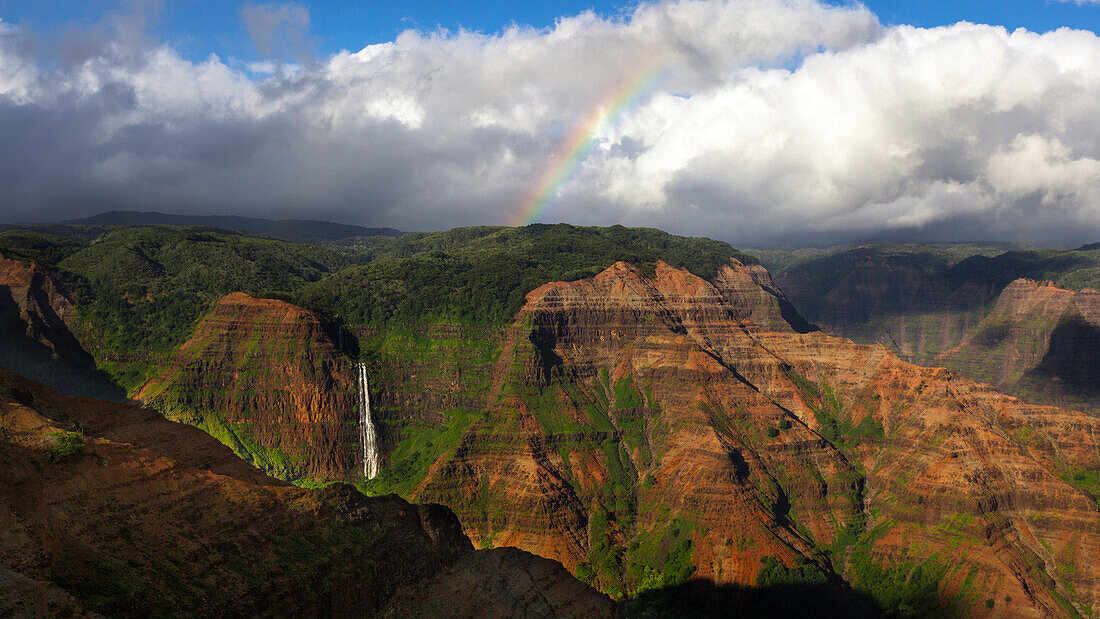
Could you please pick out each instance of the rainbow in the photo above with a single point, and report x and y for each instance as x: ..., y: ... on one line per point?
x: 582, y: 140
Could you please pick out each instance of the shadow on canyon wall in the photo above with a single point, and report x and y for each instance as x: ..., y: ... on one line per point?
x: 704, y: 598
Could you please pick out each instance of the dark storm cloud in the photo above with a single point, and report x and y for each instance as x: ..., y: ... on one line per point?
x: 963, y: 130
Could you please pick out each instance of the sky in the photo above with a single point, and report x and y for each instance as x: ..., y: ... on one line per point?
x: 753, y: 121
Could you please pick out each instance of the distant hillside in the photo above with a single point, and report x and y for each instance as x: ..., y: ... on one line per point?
x: 973, y: 308
x: 297, y: 230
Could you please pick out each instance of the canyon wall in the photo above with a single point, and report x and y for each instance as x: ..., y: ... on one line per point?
x: 1040, y: 342
x: 111, y: 509
x: 267, y: 378
x: 646, y: 427
x: 916, y: 313
x: 1024, y: 335
x: 640, y: 429
x: 38, y: 318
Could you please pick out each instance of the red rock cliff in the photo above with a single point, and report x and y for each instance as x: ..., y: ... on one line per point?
x: 266, y: 378
x: 628, y: 409
x: 1039, y: 342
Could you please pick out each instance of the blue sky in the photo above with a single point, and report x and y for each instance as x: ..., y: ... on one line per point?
x: 197, y: 28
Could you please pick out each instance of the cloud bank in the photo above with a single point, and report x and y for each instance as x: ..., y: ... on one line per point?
x: 772, y: 121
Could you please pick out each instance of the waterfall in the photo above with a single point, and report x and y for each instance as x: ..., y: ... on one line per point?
x: 368, y: 438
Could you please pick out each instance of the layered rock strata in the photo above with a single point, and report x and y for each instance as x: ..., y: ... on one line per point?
x: 111, y: 509
x: 267, y: 378
x: 628, y: 412
x: 1040, y: 342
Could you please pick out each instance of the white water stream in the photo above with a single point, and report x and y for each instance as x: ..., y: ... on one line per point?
x: 368, y: 438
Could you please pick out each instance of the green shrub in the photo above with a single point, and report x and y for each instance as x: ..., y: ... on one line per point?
x: 66, y: 446
x: 775, y: 573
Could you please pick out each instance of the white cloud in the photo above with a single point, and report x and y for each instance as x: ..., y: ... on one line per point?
x: 774, y: 120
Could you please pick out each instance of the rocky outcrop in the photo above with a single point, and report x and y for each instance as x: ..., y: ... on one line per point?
x: 1039, y: 342
x: 427, y: 371
x: 1069, y: 373
x: 1014, y: 336
x: 753, y: 295
x: 267, y: 378
x: 111, y: 509
x: 37, y: 322
x: 642, y: 429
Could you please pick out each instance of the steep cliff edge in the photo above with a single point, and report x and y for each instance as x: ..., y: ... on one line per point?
x: 266, y: 378
x: 1069, y: 374
x: 110, y: 508
x: 753, y: 295
x: 641, y: 430
x: 37, y: 321
x: 1040, y: 342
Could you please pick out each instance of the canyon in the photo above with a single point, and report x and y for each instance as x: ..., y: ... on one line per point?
x: 629, y: 410
x: 1040, y: 342
x: 267, y: 378
x: 111, y: 509
x: 670, y: 439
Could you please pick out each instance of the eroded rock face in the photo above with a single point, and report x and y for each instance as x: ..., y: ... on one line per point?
x: 151, y: 517
x: 629, y: 414
x: 751, y: 293
x: 266, y: 377
x: 974, y: 319
x: 913, y: 313
x: 1014, y: 336
x: 37, y: 322
x: 1069, y: 373
x: 1039, y: 342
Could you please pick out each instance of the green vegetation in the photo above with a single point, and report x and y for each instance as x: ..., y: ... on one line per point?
x: 832, y: 260
x: 630, y: 418
x: 65, y: 445
x: 1084, y: 480
x: 662, y: 557
x: 419, y: 445
x: 32, y: 246
x: 905, y: 588
x: 483, y: 274
x: 803, y: 573
x: 835, y: 422
x: 823, y: 269
x: 992, y: 264
x: 239, y: 437
x: 142, y: 289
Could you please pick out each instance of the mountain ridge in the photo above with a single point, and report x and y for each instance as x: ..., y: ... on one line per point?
x: 297, y: 230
